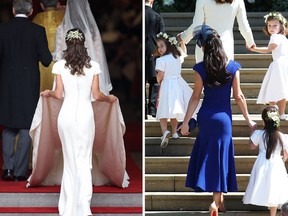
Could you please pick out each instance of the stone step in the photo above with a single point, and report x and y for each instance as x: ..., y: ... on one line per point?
x: 176, y: 182
x: 239, y: 45
x: 185, y: 19
x: 252, y: 75
x: 184, y: 145
x: 51, y: 199
x: 240, y: 128
x: 179, y: 164
x: 258, y: 34
x: 253, y: 107
x: 250, y: 90
x: 191, y: 201
x: 254, y: 60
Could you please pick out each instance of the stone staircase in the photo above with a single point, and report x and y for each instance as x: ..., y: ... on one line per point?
x: 165, y: 169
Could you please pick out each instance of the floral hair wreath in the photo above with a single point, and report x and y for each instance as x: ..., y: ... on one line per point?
x: 273, y: 116
x: 74, y: 35
x: 277, y: 16
x: 172, y: 40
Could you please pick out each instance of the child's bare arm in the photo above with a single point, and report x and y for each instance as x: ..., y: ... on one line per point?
x: 251, y: 145
x: 268, y: 49
x: 160, y: 75
x: 183, y: 47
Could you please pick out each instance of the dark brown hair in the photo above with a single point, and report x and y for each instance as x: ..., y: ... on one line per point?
x: 271, y: 135
x: 169, y: 48
x: 223, y: 1
x: 76, y: 54
x: 215, y: 61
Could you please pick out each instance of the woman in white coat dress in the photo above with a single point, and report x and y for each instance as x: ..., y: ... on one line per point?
x: 220, y: 15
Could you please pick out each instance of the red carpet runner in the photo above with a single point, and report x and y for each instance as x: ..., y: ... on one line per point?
x: 133, y: 171
x: 98, y: 210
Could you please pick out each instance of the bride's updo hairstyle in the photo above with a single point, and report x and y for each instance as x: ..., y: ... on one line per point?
x: 76, y: 54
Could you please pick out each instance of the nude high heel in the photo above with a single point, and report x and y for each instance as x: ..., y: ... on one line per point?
x: 213, y: 209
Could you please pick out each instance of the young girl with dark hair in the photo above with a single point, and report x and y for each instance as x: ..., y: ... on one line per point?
x: 268, y: 183
x: 174, y: 91
x: 212, y: 167
x: 77, y: 76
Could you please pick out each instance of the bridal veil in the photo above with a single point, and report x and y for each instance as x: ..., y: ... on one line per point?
x: 79, y: 15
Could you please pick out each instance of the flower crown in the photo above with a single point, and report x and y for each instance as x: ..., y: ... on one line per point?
x: 273, y: 116
x: 74, y: 35
x: 277, y: 16
x: 172, y: 40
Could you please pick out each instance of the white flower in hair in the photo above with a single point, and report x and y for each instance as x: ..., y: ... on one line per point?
x: 274, y: 116
x: 276, y: 15
x: 159, y: 34
x: 74, y: 35
x: 172, y: 40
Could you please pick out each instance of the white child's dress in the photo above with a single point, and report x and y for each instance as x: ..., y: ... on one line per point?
x: 175, y: 93
x: 268, y: 183
x: 274, y: 87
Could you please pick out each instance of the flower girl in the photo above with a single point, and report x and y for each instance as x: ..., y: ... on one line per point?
x: 175, y: 93
x: 268, y: 183
x: 274, y: 88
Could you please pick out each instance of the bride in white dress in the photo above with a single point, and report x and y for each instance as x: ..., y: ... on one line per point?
x: 77, y: 76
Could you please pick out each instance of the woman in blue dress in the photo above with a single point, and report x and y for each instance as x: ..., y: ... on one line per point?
x: 211, y: 167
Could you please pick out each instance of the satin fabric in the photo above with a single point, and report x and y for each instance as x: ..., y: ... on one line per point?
x: 109, y: 159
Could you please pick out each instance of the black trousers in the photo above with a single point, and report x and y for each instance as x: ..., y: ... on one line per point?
x: 151, y: 79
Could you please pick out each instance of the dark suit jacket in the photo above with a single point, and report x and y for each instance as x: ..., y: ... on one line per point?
x: 22, y: 45
x: 153, y: 25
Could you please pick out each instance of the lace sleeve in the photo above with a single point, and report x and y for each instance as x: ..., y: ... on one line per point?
x: 60, y: 44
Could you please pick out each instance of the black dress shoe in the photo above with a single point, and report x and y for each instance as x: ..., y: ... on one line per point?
x: 20, y: 178
x: 8, y: 175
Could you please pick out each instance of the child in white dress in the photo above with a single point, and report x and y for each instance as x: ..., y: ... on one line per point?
x: 268, y: 183
x: 174, y: 93
x: 274, y: 88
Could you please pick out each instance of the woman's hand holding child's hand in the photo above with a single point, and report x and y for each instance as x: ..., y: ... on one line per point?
x: 253, y: 126
x: 184, y: 129
x: 251, y: 48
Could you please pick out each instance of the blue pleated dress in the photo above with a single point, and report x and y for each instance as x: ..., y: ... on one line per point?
x: 211, y: 166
